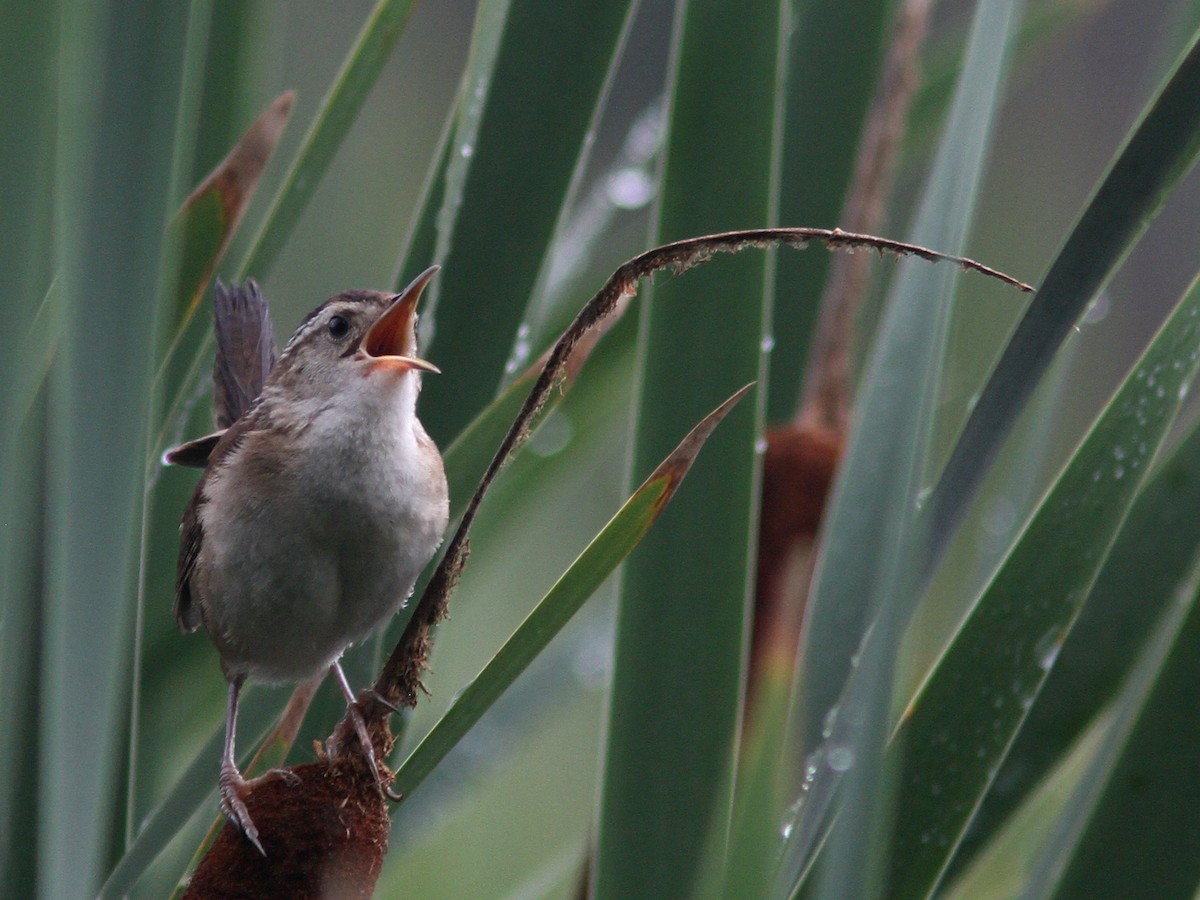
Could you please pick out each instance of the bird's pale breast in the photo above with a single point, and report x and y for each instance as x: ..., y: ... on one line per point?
x: 326, y: 547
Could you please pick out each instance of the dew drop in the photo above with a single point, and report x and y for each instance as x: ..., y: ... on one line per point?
x: 830, y: 720
x: 521, y: 350
x: 840, y: 759
x: 553, y: 436
x: 630, y: 188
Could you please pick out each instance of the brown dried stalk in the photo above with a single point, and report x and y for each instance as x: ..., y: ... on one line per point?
x: 827, y: 391
x: 399, y: 683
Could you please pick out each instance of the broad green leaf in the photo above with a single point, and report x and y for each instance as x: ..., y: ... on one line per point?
x: 113, y: 170
x: 868, y: 562
x: 676, y: 700
x: 29, y: 55
x: 961, y: 724
x: 523, y: 125
x: 1158, y: 152
x: 577, y: 584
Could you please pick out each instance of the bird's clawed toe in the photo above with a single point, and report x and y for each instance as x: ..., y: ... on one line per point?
x: 233, y: 790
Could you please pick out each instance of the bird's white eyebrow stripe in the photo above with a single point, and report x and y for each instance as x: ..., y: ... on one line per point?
x: 315, y: 318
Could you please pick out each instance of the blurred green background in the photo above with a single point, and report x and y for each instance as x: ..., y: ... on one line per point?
x: 98, y: 153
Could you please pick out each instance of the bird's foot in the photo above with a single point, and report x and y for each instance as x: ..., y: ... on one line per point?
x: 234, y: 789
x: 354, y: 712
x: 375, y: 697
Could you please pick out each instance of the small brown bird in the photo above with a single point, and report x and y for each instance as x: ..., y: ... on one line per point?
x: 318, y: 507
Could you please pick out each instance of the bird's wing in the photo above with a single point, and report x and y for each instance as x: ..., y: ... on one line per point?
x: 191, y: 529
x: 245, y: 349
x: 191, y: 537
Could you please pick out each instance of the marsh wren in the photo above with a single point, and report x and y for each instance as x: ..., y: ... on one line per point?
x: 317, y: 510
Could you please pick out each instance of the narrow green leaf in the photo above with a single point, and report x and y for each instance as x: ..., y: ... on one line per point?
x: 29, y: 60
x: 338, y: 111
x: 1158, y: 152
x: 212, y: 212
x: 765, y: 780
x: 21, y: 509
x: 1150, y: 557
x: 867, y: 563
x: 1002, y: 867
x: 601, y: 557
x: 675, y: 711
x: 960, y: 725
x: 35, y: 354
x: 203, y: 228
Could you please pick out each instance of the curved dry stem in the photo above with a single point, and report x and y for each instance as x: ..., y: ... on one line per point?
x: 399, y: 682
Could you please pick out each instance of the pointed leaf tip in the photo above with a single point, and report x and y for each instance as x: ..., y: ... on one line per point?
x: 676, y: 466
x: 210, y: 215
x: 237, y: 175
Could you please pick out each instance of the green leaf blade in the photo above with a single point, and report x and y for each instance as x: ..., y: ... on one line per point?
x: 868, y: 563
x: 110, y: 209
x: 597, y: 562
x: 1150, y: 557
x: 950, y: 749
x: 514, y: 165
x: 833, y: 61
x: 1158, y: 152
x: 677, y: 691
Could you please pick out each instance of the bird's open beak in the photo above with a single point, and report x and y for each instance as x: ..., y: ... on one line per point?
x: 393, y: 339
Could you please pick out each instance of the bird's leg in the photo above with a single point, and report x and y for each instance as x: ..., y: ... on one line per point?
x: 360, y: 728
x: 233, y: 787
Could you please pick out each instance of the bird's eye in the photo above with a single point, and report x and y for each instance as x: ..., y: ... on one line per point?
x: 338, y: 327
